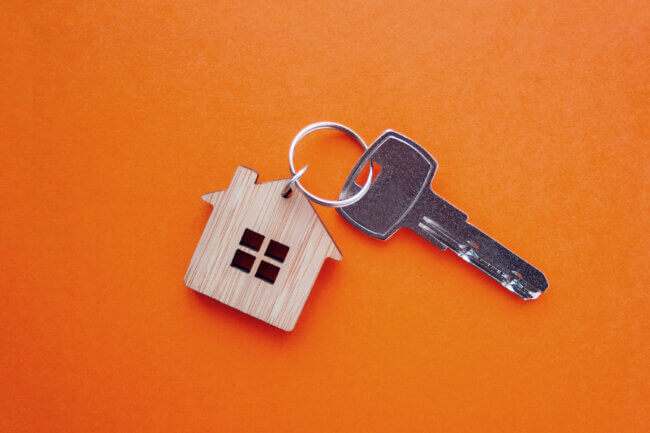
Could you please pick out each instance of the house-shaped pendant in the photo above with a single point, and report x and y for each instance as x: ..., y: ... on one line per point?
x: 260, y: 252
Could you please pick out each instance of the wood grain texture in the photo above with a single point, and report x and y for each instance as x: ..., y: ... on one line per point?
x: 261, y: 208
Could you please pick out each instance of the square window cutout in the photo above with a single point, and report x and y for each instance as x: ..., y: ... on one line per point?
x: 277, y: 251
x: 243, y: 261
x: 267, y: 272
x: 251, y: 239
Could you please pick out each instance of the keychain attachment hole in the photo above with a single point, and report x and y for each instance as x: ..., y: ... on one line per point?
x: 288, y: 191
x: 364, y: 172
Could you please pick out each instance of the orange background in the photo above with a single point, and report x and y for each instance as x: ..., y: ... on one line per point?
x: 116, y: 117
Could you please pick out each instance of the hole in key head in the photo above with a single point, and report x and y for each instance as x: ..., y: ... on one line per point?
x: 363, y: 174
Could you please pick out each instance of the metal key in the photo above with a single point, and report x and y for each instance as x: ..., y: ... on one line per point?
x: 401, y: 196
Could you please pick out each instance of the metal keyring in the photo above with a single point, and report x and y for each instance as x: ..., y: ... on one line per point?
x: 296, y: 176
x: 287, y: 189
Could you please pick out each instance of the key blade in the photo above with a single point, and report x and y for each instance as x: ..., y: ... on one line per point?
x: 392, y: 195
x: 442, y: 223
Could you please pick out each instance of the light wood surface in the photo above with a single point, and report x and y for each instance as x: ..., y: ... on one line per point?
x: 291, y: 221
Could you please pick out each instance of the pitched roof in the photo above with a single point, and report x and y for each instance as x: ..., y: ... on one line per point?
x: 245, y: 176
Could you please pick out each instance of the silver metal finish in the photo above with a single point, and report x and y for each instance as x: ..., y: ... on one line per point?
x: 353, y: 198
x: 401, y: 196
x: 295, y: 178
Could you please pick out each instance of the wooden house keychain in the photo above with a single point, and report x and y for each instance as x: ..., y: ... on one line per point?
x: 264, y: 244
x: 262, y: 248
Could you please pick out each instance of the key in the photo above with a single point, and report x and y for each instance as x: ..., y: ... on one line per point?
x: 401, y: 196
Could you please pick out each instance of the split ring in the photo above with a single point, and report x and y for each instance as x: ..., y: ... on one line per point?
x: 295, y: 179
x: 287, y: 189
